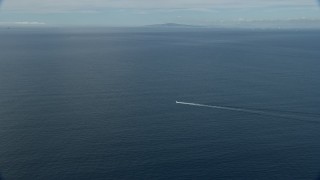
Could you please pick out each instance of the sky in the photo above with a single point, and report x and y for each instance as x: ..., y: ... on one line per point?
x: 145, y: 12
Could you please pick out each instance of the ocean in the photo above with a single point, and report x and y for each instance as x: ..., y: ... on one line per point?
x: 100, y: 103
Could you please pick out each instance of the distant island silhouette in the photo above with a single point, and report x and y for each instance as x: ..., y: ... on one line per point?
x: 174, y: 25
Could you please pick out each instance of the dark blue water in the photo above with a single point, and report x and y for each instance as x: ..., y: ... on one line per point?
x: 100, y: 104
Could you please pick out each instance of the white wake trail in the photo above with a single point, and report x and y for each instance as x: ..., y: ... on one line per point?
x: 226, y: 108
x: 287, y: 115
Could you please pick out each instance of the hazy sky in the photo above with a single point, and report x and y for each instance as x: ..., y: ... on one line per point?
x: 142, y: 12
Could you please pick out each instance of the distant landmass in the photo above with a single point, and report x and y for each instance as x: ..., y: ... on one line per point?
x: 173, y: 25
x: 273, y: 24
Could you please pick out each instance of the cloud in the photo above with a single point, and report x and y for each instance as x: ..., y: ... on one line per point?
x: 23, y: 23
x: 141, y: 12
x: 93, y: 5
x: 29, y: 23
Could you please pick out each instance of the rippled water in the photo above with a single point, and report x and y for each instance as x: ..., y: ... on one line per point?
x: 100, y: 104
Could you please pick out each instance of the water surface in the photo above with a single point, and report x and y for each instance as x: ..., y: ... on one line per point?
x: 100, y: 104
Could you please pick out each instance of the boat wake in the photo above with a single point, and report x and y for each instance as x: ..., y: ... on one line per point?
x: 222, y: 107
x: 286, y: 115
